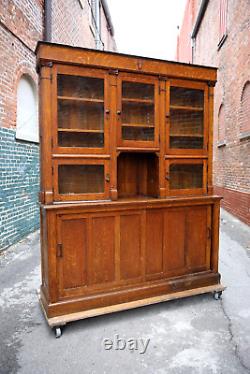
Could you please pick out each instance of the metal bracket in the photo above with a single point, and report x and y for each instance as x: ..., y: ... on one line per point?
x: 163, y: 78
x: 211, y: 83
x: 113, y: 72
x: 59, y: 250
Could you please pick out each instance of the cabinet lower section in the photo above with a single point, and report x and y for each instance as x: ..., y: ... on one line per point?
x: 96, y: 255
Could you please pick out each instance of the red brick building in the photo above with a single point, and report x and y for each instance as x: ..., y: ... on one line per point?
x: 217, y: 33
x: 84, y: 23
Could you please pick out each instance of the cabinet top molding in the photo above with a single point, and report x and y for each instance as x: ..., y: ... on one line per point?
x: 64, y: 54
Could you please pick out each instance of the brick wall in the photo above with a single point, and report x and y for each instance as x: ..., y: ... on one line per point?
x: 21, y: 26
x: 70, y: 20
x: 232, y: 153
x: 19, y: 185
x: 71, y: 25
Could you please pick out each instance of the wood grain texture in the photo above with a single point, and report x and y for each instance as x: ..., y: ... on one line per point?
x: 127, y: 212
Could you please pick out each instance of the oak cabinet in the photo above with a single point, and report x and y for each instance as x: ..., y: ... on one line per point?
x: 128, y: 215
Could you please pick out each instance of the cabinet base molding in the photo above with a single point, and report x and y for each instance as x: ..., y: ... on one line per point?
x: 71, y: 317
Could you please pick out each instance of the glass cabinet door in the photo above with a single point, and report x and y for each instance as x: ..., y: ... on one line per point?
x: 185, y: 177
x: 81, y: 122
x: 81, y: 179
x: 186, y: 133
x: 138, y: 115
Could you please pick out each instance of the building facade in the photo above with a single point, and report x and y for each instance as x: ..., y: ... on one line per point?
x: 83, y: 23
x: 217, y: 33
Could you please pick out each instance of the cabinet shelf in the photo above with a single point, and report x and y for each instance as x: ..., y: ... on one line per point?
x: 82, y: 130
x: 80, y: 99
x: 137, y: 125
x: 188, y: 108
x: 186, y: 135
x: 137, y: 101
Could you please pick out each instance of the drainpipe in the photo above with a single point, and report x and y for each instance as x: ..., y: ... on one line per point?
x: 108, y: 17
x: 98, y: 41
x: 47, y: 20
x: 197, y: 24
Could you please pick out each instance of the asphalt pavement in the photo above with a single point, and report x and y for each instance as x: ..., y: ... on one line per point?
x: 196, y: 335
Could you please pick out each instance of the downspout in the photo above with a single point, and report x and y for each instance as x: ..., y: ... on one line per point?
x: 98, y: 43
x: 197, y: 24
x: 108, y: 17
x: 48, y: 20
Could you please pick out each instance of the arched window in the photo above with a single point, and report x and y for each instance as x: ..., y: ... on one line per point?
x: 244, y: 113
x: 27, y: 110
x: 221, y: 125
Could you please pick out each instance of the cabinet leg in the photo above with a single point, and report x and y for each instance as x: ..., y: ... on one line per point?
x: 217, y: 295
x: 58, y: 332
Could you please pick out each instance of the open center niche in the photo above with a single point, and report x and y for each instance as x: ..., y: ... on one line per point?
x: 137, y: 175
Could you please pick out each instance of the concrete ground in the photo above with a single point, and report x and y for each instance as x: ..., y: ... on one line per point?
x: 193, y: 335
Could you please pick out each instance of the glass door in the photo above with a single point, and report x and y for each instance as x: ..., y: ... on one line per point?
x: 137, y: 113
x: 187, y: 130
x: 81, y: 179
x: 81, y: 111
x: 186, y: 177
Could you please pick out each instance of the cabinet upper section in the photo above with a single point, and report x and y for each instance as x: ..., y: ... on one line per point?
x: 97, y: 106
x: 56, y: 53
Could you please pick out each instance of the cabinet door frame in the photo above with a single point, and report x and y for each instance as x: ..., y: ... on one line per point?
x: 80, y: 72
x: 188, y: 85
x: 186, y: 191
x: 136, y: 78
x: 81, y: 196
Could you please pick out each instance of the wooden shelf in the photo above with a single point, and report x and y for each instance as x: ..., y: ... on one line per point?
x: 137, y: 101
x: 186, y: 135
x: 82, y: 130
x: 137, y: 125
x: 189, y: 108
x: 81, y: 99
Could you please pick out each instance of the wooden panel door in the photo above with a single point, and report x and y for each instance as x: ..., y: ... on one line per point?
x: 85, y: 253
x: 80, y: 110
x: 131, y: 256
x: 187, y: 113
x: 187, y: 240
x: 72, y: 253
x: 177, y: 241
x: 154, y: 254
x: 101, y: 254
x: 137, y: 111
x: 198, y: 238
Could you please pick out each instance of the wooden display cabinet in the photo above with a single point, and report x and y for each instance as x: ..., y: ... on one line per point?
x: 128, y: 215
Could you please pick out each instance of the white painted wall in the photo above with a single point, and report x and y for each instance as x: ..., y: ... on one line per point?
x: 27, y: 110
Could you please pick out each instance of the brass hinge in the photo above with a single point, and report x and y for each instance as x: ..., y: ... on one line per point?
x: 162, y: 90
x: 59, y: 250
x: 113, y: 72
x: 211, y: 83
x: 163, y: 78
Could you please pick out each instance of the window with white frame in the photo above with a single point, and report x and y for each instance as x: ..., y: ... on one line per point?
x: 27, y: 110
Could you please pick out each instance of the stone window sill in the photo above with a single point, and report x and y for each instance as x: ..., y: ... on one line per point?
x: 221, y: 144
x: 244, y: 135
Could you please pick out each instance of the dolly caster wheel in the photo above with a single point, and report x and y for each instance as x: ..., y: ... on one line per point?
x: 217, y: 295
x: 58, y: 332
